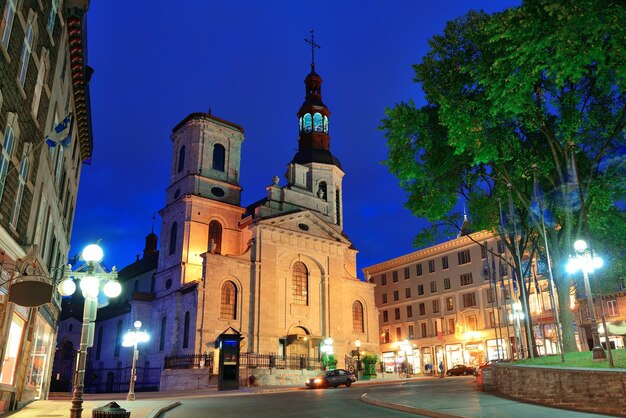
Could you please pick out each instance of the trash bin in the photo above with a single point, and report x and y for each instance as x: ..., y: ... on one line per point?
x: 110, y: 410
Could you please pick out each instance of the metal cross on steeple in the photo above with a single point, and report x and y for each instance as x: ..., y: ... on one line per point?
x: 313, y: 46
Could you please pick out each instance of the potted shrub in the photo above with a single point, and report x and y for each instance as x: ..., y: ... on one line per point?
x: 369, y: 365
x: 329, y: 361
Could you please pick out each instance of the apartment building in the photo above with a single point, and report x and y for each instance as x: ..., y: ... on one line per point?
x: 438, y: 304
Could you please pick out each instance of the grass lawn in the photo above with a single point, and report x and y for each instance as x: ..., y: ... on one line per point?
x: 581, y: 359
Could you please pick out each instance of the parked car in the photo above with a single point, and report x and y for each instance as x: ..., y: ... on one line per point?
x: 332, y: 378
x: 461, y: 369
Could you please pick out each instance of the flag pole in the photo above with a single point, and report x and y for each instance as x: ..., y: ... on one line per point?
x: 521, y: 278
x: 550, y: 276
x: 493, y: 296
x: 508, y: 300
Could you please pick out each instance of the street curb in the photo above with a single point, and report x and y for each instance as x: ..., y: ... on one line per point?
x: 406, y: 408
x: 156, y: 412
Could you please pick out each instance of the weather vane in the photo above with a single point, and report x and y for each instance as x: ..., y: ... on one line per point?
x: 313, y: 46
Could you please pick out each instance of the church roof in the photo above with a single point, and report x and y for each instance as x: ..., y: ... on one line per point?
x: 315, y: 155
x: 149, y: 262
x: 205, y: 116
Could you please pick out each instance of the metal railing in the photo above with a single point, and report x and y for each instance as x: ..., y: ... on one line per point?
x: 189, y: 361
x: 269, y: 361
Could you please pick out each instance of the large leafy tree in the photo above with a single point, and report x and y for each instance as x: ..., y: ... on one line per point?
x: 533, y: 95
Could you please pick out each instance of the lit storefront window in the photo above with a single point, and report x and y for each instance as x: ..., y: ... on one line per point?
x: 14, y: 343
x: 40, y: 354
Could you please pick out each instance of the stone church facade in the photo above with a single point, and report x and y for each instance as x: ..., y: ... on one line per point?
x: 280, y: 271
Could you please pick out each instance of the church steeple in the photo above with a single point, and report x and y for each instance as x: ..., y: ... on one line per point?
x: 313, y: 119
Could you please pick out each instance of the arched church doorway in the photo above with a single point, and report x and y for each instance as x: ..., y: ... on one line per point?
x: 298, y: 342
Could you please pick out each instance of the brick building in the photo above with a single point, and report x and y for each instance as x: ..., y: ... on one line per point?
x: 43, y: 82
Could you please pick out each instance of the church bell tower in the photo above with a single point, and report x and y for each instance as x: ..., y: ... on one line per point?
x: 314, y: 168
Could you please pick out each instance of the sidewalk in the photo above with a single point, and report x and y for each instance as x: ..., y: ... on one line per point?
x: 428, y: 396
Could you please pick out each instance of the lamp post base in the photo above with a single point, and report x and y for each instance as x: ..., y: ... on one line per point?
x: 598, y: 353
x: 76, y: 411
x: 130, y: 397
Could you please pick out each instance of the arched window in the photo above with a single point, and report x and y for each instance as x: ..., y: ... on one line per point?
x: 300, y: 124
x: 321, y: 190
x: 5, y: 157
x: 181, y: 159
x: 300, y: 284
x: 186, y: 331
x: 26, y: 50
x: 219, y: 157
x: 173, y: 233
x: 162, y: 339
x: 229, y: 301
x: 338, y: 206
x: 21, y: 184
x: 118, y: 339
x: 317, y: 122
x: 326, y: 124
x: 307, y: 123
x: 357, y: 317
x: 7, y: 22
x: 215, y: 237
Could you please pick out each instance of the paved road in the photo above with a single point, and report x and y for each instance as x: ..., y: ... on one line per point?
x: 317, y: 403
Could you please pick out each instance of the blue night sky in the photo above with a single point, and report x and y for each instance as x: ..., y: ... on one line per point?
x: 246, y: 61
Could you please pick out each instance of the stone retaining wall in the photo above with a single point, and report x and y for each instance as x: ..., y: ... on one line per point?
x: 185, y: 379
x: 590, y: 390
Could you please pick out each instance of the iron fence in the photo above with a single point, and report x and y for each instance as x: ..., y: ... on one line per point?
x: 109, y: 380
x: 269, y: 361
x: 189, y: 361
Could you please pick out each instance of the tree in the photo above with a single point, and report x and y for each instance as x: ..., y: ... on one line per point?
x: 534, y: 92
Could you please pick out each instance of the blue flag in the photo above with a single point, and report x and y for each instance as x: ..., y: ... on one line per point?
x: 538, y: 207
x: 514, y: 277
x: 61, y: 134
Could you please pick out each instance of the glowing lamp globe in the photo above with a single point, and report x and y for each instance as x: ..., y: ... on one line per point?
x: 137, y: 324
x: 93, y: 253
x: 89, y: 285
x: 67, y: 287
x: 112, y: 289
x: 580, y: 245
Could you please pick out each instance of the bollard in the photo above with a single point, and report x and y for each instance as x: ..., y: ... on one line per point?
x: 110, y: 410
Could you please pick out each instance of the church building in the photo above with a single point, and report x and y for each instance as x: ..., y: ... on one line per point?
x: 280, y: 271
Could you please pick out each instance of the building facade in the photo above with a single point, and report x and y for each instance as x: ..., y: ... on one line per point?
x: 280, y: 271
x: 43, y: 85
x: 454, y: 303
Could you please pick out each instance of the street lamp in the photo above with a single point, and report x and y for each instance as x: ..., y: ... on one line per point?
x: 131, y: 339
x: 358, y: 354
x: 90, y: 275
x: 587, y: 263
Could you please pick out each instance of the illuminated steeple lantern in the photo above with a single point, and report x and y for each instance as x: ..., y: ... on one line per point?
x: 313, y: 118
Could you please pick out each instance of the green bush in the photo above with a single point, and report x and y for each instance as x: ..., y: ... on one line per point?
x: 370, y: 359
x: 329, y: 360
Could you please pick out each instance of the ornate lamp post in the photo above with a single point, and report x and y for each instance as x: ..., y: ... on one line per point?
x: 131, y: 339
x: 587, y: 262
x: 357, y: 343
x: 90, y: 275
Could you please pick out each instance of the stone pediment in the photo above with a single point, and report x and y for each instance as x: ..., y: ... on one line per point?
x: 305, y: 223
